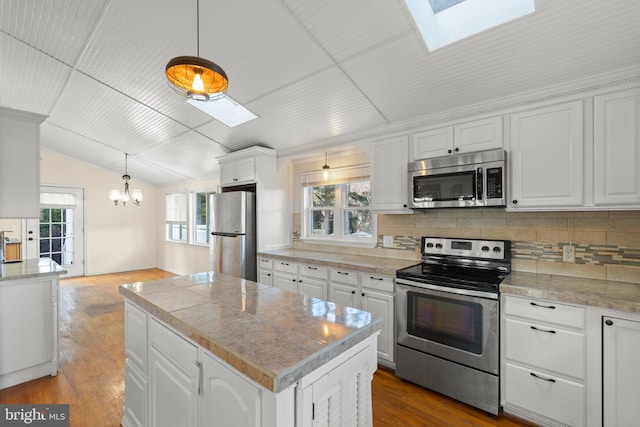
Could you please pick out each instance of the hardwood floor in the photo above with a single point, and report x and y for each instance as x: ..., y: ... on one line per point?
x: 91, y: 375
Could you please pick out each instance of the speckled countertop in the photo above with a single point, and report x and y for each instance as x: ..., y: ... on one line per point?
x: 368, y: 264
x: 574, y: 290
x: 30, y: 268
x: 272, y: 336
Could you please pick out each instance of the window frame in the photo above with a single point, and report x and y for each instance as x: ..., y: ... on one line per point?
x: 170, y: 223
x: 192, y: 215
x: 343, y: 178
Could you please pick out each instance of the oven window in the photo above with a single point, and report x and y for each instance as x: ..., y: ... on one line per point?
x: 443, y: 187
x: 446, y: 321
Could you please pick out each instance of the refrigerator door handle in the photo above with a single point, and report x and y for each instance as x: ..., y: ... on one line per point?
x: 215, y: 233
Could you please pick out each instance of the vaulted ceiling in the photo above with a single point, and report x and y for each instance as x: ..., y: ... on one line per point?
x: 315, y: 72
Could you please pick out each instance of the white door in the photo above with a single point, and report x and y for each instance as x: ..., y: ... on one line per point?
x: 61, y: 231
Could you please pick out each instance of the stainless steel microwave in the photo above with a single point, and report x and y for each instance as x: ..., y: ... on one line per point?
x: 459, y: 181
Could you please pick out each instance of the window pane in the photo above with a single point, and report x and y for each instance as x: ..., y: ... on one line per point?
x: 56, y: 215
x: 359, y: 194
x: 44, y: 230
x: 44, y: 215
x: 358, y: 223
x: 45, y: 246
x: 322, y: 222
x: 323, y: 196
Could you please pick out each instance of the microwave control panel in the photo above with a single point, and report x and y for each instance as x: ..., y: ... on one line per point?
x: 494, y: 183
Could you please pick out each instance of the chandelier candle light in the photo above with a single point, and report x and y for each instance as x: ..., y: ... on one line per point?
x: 197, y: 78
x: 117, y: 196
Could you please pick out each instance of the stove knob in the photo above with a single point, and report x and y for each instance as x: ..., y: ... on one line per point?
x: 497, y: 249
x: 438, y: 245
x: 429, y: 245
x: 485, y: 249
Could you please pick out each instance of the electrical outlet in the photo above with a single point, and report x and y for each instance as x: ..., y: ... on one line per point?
x: 387, y: 241
x: 568, y: 253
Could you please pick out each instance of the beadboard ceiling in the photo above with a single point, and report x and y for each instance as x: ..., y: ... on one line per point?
x: 317, y: 73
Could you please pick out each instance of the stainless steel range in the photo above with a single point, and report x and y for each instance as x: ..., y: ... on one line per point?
x: 448, y: 318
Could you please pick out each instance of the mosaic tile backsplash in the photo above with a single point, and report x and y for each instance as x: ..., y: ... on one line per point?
x: 607, y: 243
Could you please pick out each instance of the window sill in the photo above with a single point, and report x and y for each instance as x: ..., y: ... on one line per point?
x: 332, y: 242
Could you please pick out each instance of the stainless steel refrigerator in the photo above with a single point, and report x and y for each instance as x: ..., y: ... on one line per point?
x: 233, y: 234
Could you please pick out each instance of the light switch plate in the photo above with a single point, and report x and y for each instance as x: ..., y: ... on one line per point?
x: 387, y: 241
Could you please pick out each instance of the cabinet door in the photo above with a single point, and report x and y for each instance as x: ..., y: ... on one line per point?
x: 135, y: 336
x: 288, y: 282
x: 315, y: 288
x: 265, y: 277
x: 381, y: 304
x: 135, y: 396
x: 547, y: 157
x: 433, y: 143
x: 617, y: 148
x: 621, y: 372
x: 227, y: 173
x: 246, y: 170
x: 343, y: 294
x: 389, y: 178
x: 478, y: 135
x: 227, y: 399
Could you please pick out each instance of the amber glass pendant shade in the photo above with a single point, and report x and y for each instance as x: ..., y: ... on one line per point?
x: 196, y: 78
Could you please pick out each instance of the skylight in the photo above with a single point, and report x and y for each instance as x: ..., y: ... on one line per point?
x: 225, y: 110
x: 442, y: 22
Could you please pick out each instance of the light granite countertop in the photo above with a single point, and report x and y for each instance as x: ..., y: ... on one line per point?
x: 367, y: 264
x: 272, y: 336
x: 608, y: 294
x: 30, y: 268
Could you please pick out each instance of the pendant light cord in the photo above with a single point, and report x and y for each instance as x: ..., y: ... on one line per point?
x: 198, y: 28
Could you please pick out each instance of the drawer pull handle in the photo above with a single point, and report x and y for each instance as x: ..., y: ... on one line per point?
x: 312, y: 268
x: 551, y: 380
x: 286, y: 263
x: 341, y: 272
x: 375, y: 278
x: 552, y: 307
x: 543, y: 330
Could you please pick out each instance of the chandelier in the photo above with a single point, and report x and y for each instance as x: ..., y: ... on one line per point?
x: 118, y: 196
x: 197, y: 78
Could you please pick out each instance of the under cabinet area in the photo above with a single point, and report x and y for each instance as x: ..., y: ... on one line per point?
x: 544, y: 361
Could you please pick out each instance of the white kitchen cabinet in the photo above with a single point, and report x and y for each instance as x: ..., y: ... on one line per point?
x: 621, y: 372
x: 19, y: 163
x: 258, y: 165
x: 546, y: 157
x: 544, y: 361
x: 389, y: 177
x: 312, y: 281
x: 478, y: 135
x: 174, y: 378
x: 227, y: 400
x: 29, y: 340
x: 617, y: 148
x: 285, y: 275
x: 136, y: 363
x: 265, y: 271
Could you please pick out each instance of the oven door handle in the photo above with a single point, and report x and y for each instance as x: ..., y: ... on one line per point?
x: 451, y: 290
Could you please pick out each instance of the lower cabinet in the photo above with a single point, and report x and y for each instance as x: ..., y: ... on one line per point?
x: 544, y: 361
x: 620, y: 371
x: 173, y: 382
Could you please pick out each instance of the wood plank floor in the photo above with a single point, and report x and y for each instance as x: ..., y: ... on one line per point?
x: 91, y: 375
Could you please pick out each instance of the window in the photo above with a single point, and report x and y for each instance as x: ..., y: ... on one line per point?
x: 56, y: 234
x: 200, y: 217
x: 339, y: 213
x: 176, y: 217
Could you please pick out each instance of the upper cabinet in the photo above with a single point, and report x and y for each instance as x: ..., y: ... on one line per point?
x: 389, y: 178
x: 237, y: 171
x: 19, y: 164
x: 467, y: 137
x: 546, y: 157
x: 617, y: 148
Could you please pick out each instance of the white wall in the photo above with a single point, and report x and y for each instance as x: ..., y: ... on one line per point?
x: 117, y: 238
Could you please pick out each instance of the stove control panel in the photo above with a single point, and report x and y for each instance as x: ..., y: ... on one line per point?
x: 473, y: 248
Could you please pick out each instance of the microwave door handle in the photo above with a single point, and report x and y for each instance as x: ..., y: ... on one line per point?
x: 479, y: 185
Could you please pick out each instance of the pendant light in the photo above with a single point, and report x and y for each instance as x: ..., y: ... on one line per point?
x: 197, y: 78
x: 117, y: 196
x: 325, y: 169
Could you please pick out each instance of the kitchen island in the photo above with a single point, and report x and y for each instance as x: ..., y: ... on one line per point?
x: 210, y: 349
x: 29, y: 333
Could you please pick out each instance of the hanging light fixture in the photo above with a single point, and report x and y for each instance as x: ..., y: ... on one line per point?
x: 117, y: 196
x: 197, y: 78
x: 325, y: 168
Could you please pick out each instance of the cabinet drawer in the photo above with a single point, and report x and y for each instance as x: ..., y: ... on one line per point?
x: 172, y: 345
x: 546, y: 347
x: 285, y: 266
x: 377, y: 282
x: 316, y: 271
x: 344, y: 276
x: 547, y: 395
x: 265, y: 263
x: 545, y: 311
